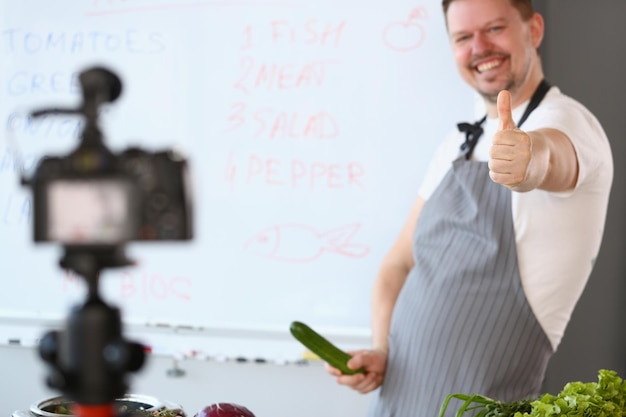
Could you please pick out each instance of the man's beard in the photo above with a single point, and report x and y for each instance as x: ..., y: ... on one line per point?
x: 492, y: 96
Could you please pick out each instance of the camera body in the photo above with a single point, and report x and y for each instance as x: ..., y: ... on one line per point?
x: 93, y: 197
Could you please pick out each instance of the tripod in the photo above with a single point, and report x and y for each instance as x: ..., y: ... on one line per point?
x: 89, y: 358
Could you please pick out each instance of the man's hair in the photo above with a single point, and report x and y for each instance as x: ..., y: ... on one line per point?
x: 525, y: 7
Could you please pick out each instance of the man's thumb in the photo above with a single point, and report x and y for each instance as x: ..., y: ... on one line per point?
x: 504, y: 111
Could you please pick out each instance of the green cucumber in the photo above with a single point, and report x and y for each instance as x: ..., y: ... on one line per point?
x: 328, y: 352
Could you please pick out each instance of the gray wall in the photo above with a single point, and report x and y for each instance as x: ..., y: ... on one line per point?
x: 584, y: 54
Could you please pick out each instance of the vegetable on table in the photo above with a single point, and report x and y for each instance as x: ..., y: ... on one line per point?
x: 604, y: 398
x: 224, y: 410
x: 165, y: 412
x: 485, y: 406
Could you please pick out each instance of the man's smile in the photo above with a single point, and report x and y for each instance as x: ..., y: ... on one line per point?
x: 489, y: 64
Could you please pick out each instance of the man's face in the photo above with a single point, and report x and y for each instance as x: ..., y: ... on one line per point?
x: 493, y: 47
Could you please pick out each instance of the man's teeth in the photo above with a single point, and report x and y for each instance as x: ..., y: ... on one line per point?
x: 487, y: 66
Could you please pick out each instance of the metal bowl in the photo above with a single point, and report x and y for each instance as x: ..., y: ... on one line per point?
x: 61, y: 407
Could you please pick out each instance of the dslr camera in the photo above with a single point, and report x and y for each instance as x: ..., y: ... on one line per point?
x: 93, y: 198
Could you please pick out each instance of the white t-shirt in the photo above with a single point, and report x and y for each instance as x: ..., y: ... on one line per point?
x: 558, y: 235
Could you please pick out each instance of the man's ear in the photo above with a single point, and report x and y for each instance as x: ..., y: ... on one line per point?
x: 536, y: 29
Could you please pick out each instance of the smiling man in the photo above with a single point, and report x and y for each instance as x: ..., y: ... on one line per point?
x: 476, y: 293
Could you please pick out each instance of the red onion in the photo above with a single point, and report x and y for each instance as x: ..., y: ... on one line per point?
x: 225, y: 410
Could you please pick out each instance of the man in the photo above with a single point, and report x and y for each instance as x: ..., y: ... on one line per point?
x: 475, y: 296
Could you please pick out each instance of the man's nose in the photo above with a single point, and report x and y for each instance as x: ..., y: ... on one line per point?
x: 480, y: 43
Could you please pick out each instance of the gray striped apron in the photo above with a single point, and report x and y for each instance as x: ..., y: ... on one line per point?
x: 462, y: 325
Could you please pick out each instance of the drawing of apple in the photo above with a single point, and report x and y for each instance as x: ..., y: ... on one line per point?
x: 406, y: 35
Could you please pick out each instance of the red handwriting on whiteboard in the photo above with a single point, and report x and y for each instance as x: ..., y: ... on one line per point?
x: 275, y: 124
x: 310, y: 33
x: 289, y: 76
x: 406, y: 35
x: 313, y: 32
x: 294, y: 173
x: 150, y: 286
x: 303, y: 243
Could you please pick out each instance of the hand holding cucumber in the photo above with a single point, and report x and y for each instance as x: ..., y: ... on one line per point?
x: 371, y: 363
x: 323, y: 348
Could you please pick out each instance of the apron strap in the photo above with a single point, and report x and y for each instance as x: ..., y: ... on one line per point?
x: 538, y: 95
x: 473, y: 131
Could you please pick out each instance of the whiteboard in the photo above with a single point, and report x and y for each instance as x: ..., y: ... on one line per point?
x: 308, y: 127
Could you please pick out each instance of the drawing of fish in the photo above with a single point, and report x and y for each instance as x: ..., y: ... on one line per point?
x: 303, y: 243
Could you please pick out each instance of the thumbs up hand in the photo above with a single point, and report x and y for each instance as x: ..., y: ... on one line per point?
x: 511, y: 151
